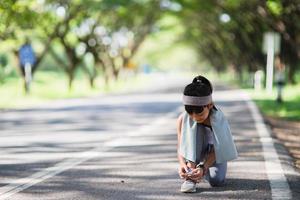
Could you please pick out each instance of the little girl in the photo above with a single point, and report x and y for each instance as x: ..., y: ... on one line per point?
x: 205, y: 143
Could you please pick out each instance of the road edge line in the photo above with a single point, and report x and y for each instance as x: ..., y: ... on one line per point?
x: 280, y: 188
x: 68, y: 163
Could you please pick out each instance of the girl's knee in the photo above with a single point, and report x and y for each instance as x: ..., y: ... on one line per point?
x: 216, y: 181
x: 217, y: 175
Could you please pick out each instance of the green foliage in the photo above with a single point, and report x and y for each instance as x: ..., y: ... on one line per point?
x: 230, y: 33
x: 223, y: 33
x: 3, y: 60
x: 3, y: 67
x: 17, y: 14
x: 164, y: 49
x: 275, y: 7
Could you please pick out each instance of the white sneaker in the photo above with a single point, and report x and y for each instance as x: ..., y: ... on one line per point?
x: 188, y: 186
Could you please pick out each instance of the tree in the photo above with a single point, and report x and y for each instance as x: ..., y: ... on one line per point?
x: 230, y: 32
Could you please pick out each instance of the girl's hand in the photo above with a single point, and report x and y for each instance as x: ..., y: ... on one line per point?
x: 197, y: 175
x: 182, y: 171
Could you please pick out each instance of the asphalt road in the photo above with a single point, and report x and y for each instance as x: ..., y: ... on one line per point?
x: 124, y: 147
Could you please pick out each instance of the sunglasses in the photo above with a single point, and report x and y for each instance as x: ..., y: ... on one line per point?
x: 194, y: 109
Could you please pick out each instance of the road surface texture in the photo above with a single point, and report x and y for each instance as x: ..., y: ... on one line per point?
x: 124, y: 147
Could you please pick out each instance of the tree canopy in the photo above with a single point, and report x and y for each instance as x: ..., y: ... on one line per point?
x: 226, y: 33
x: 230, y: 33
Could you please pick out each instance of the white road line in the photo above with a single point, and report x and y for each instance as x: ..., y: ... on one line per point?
x: 24, y: 183
x: 279, y: 186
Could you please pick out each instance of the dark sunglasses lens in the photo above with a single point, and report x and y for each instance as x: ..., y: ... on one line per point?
x: 194, y: 109
x: 198, y: 110
x: 189, y: 110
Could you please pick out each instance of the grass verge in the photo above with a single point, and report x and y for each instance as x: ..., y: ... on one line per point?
x: 49, y: 86
x: 289, y: 109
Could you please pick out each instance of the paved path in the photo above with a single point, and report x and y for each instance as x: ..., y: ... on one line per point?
x: 124, y: 147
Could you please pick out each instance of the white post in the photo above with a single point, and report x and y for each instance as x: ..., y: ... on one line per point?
x: 28, y: 76
x: 258, y: 77
x: 28, y: 73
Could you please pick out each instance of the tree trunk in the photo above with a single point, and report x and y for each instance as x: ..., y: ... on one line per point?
x: 116, y: 73
x: 92, y: 82
x: 71, y: 78
x: 291, y: 73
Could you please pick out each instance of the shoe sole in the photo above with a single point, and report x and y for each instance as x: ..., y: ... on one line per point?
x: 189, y: 191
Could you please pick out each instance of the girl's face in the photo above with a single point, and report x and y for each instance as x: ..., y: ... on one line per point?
x: 201, y: 117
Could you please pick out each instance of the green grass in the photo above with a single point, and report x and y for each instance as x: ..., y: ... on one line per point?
x: 266, y: 102
x: 49, y: 86
x: 289, y: 109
